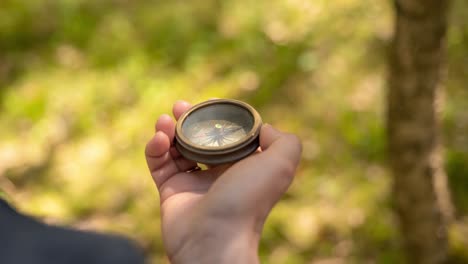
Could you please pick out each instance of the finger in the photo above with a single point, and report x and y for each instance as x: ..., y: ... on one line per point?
x: 194, y: 182
x: 285, y: 146
x: 276, y: 163
x: 268, y: 135
x: 169, y: 168
x: 156, y: 149
x: 166, y: 125
x: 160, y: 162
x: 180, y: 107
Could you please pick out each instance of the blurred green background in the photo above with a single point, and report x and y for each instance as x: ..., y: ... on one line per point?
x: 82, y: 83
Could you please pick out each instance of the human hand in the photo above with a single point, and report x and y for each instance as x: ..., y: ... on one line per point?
x: 217, y: 215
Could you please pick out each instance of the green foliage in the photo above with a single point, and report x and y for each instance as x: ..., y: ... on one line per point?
x: 457, y: 170
x: 82, y: 82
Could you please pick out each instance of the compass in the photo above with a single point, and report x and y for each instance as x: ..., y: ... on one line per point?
x: 218, y: 131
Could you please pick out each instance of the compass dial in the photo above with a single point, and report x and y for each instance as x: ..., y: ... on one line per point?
x: 215, y: 133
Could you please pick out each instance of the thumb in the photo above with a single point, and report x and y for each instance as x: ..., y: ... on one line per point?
x: 268, y: 135
x: 256, y: 183
x: 281, y: 145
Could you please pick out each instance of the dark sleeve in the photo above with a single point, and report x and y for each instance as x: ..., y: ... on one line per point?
x: 24, y: 240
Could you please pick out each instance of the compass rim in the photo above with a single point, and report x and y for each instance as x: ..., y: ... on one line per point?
x: 216, y: 150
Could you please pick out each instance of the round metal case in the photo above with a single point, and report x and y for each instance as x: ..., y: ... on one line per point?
x: 218, y: 131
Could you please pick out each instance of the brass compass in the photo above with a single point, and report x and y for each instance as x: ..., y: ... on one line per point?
x: 218, y: 131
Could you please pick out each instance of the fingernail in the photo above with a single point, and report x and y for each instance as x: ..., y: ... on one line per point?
x: 268, y: 126
x: 165, y: 116
x: 181, y: 102
x: 159, y: 133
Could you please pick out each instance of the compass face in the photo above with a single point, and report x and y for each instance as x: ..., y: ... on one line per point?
x: 215, y: 133
x: 217, y: 125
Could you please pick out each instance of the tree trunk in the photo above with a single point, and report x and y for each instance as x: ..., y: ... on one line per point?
x: 416, y: 71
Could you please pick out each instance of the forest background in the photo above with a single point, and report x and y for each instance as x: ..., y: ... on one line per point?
x: 82, y: 83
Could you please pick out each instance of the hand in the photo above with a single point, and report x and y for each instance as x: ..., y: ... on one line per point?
x: 217, y: 215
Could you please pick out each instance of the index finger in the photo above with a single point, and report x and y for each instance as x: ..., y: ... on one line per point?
x: 180, y: 107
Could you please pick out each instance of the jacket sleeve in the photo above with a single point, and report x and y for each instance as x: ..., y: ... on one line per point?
x: 24, y: 240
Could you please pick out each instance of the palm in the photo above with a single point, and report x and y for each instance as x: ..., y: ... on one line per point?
x: 181, y: 197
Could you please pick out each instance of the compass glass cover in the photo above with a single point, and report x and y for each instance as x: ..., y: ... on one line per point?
x: 217, y: 125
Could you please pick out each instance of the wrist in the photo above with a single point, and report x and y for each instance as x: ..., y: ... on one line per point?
x: 218, y: 245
